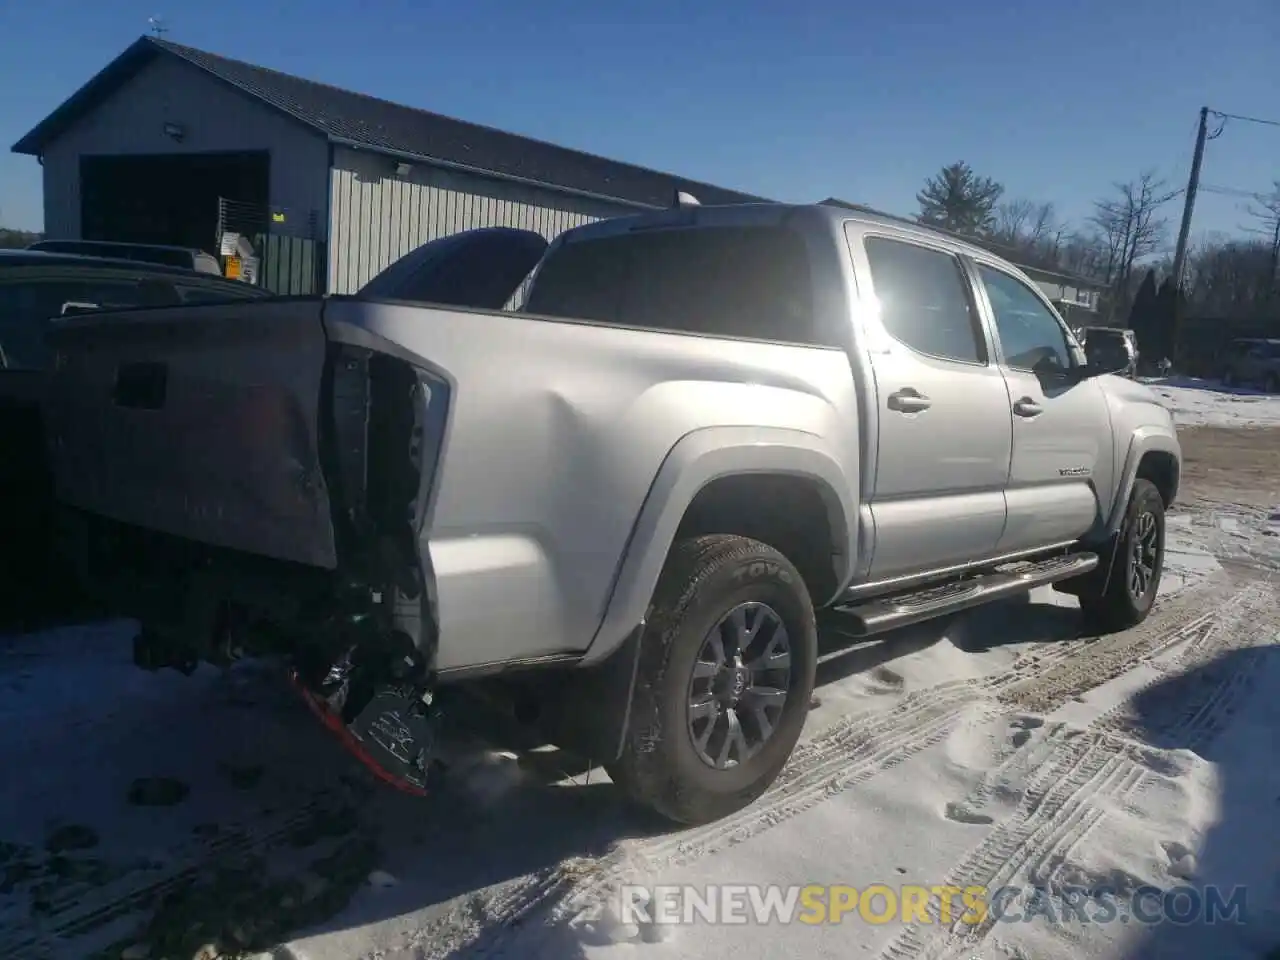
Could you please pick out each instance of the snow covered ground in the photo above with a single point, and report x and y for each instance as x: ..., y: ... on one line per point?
x: 155, y: 815
x: 1196, y: 402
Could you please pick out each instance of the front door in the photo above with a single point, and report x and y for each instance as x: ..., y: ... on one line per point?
x: 945, y: 437
x: 1062, y: 440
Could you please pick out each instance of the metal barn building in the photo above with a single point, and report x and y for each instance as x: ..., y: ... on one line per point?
x: 168, y: 144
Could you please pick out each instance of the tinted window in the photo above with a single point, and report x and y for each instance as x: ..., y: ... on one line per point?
x: 1029, y: 333
x: 924, y: 300
x: 722, y: 281
x: 26, y: 306
x: 583, y: 280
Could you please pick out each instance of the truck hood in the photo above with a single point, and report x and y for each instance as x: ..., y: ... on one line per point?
x: 1141, y: 403
x: 476, y: 268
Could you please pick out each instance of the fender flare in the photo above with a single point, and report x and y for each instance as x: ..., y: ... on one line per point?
x: 1149, y: 439
x: 697, y: 459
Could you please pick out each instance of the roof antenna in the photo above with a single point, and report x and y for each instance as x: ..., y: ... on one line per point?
x: 686, y: 199
x: 157, y: 25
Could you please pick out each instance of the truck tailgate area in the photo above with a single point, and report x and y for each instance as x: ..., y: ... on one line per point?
x: 200, y: 422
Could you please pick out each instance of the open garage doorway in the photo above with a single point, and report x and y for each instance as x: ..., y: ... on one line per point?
x: 167, y: 198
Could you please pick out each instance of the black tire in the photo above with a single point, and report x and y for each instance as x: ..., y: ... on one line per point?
x: 1228, y: 379
x: 1116, y: 606
x: 704, y: 580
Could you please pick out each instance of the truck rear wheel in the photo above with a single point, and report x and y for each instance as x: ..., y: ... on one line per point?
x: 1131, y: 589
x: 725, y: 676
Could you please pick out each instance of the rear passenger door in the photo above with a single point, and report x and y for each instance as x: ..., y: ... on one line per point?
x: 942, y: 410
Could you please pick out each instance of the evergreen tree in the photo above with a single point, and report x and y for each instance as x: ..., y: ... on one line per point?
x: 959, y: 200
x: 1144, y: 318
x: 1164, y: 313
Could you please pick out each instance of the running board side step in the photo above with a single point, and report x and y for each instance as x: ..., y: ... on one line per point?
x: 903, y: 609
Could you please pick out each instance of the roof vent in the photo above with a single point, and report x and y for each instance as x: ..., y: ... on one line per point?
x: 686, y: 199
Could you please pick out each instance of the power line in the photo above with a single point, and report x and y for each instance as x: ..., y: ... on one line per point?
x: 1244, y: 119
x: 1232, y: 192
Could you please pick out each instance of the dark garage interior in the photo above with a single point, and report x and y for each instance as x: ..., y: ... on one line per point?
x: 168, y: 198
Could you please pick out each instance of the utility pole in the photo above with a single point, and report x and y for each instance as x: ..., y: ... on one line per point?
x: 1184, y: 231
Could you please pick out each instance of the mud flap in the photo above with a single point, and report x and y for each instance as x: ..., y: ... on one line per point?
x: 587, y: 711
x: 1097, y: 579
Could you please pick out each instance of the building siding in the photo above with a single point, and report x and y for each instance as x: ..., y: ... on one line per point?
x: 216, y: 117
x: 376, y: 217
x: 1057, y: 287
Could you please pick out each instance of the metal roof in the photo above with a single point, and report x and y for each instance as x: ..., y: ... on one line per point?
x: 357, y: 120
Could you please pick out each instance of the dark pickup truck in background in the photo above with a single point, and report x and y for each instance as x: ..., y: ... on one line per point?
x: 36, y: 288
x: 189, y: 258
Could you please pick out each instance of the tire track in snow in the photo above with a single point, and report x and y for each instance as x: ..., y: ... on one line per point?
x: 1103, y: 661
x: 1092, y: 770
x: 516, y: 915
x: 1211, y: 634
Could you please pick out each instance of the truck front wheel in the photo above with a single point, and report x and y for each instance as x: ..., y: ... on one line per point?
x: 1125, y: 599
x: 724, y: 681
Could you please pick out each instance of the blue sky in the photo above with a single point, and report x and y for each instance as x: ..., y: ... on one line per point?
x: 794, y: 100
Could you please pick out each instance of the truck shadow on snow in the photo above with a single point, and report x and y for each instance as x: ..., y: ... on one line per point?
x: 183, y: 811
x: 1218, y: 881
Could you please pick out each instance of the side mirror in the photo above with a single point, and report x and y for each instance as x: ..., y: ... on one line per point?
x: 1105, y: 361
x: 1048, y: 368
x: 1098, y: 366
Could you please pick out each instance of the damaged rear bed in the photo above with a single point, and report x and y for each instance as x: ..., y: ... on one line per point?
x: 240, y: 484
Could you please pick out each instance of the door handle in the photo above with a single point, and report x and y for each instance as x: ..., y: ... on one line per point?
x: 908, y: 400
x: 1026, y: 407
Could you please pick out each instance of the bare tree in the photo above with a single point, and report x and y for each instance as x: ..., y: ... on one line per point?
x: 1081, y: 252
x: 1109, y: 220
x: 1131, y: 227
x: 1266, y: 210
x: 1011, y: 219
x: 1230, y: 279
x: 1043, y: 228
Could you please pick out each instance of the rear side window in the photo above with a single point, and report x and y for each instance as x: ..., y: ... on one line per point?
x: 720, y: 281
x: 27, y: 306
x: 924, y: 300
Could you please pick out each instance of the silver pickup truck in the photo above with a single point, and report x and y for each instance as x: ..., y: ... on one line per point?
x: 632, y: 497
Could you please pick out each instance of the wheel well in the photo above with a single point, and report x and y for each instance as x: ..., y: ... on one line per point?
x: 790, y: 513
x: 1160, y: 468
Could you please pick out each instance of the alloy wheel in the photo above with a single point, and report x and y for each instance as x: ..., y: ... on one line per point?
x: 739, y: 685
x: 1144, y: 555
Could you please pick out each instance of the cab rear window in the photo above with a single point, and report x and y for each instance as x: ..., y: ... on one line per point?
x: 719, y: 281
